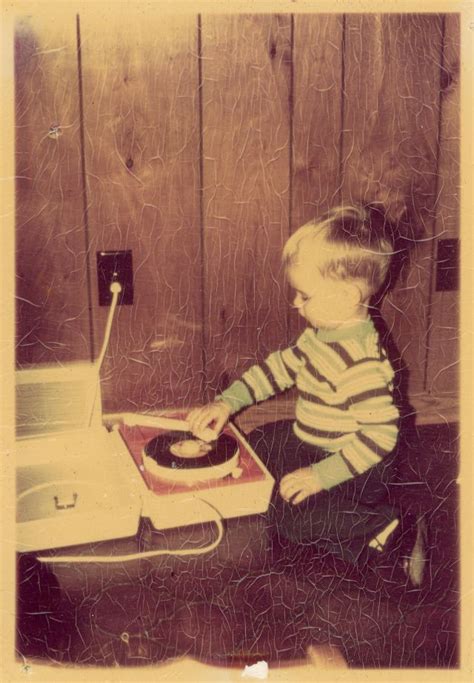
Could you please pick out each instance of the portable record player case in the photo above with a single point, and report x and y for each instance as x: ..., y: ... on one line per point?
x: 80, y: 482
x: 73, y: 488
x: 74, y: 479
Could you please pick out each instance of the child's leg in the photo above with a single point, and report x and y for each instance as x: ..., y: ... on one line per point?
x: 278, y: 448
x: 344, y: 519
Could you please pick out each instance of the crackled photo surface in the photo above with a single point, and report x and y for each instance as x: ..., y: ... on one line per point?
x: 247, y: 223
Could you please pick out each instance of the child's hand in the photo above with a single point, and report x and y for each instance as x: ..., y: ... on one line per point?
x: 213, y: 415
x: 300, y: 484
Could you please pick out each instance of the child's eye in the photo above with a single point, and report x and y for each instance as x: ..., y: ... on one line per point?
x: 300, y: 299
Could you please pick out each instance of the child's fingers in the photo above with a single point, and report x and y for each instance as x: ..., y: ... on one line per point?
x: 195, y: 413
x: 285, y: 484
x: 302, y: 495
x: 289, y: 486
x: 203, y: 422
x: 207, y: 435
x: 214, y: 415
x: 223, y: 418
x: 193, y: 418
x: 219, y: 424
x: 199, y: 419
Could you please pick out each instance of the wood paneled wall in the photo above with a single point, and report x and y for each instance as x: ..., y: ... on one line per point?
x: 246, y: 87
x: 391, y: 148
x: 53, y: 319
x: 200, y: 143
x: 142, y: 144
x: 318, y: 59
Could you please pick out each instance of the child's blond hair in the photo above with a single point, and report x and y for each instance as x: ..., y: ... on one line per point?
x: 358, y: 245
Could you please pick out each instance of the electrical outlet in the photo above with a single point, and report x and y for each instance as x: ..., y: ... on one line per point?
x: 115, y: 266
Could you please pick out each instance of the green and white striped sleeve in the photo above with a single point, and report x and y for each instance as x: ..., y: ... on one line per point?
x: 369, y: 395
x: 276, y: 374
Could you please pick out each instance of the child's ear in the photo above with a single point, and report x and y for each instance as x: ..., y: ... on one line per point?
x: 353, y: 293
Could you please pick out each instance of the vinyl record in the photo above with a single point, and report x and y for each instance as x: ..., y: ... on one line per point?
x: 179, y: 456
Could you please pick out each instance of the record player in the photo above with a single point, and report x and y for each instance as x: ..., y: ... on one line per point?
x: 236, y: 485
x: 84, y: 477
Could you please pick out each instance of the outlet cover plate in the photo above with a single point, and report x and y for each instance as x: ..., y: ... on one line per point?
x: 115, y: 266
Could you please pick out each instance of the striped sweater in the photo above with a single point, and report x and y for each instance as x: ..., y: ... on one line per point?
x: 345, y: 403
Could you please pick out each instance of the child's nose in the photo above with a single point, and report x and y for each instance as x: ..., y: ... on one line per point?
x: 297, y: 301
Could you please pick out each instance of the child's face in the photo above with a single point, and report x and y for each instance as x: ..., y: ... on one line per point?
x: 324, y: 302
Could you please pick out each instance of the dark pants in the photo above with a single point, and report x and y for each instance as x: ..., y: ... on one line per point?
x: 342, y: 520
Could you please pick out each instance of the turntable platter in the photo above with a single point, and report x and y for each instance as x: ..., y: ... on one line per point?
x: 180, y: 457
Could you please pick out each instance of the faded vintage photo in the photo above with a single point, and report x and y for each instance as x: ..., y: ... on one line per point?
x: 237, y: 341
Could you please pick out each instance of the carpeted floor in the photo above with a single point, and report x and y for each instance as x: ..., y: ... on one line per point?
x: 234, y: 604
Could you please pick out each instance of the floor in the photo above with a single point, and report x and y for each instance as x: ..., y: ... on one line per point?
x: 237, y: 604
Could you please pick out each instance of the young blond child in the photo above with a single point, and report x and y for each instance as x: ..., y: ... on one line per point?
x: 334, y: 462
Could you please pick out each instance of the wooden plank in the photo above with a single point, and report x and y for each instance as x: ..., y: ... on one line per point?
x: 140, y: 80
x: 246, y: 62
x: 391, y: 101
x: 53, y: 320
x: 317, y: 88
x: 317, y: 69
x: 443, y: 346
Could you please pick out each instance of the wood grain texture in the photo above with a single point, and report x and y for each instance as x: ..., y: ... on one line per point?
x: 210, y: 296
x: 317, y: 69
x: 246, y: 63
x: 53, y: 320
x: 443, y: 347
x: 317, y: 110
x: 391, y: 102
x: 141, y: 116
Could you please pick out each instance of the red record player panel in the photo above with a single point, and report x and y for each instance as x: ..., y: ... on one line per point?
x: 137, y: 437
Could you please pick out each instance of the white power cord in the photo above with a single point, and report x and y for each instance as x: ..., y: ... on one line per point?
x: 115, y: 289
x: 107, y: 559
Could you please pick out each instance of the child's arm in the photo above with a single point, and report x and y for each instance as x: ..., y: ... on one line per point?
x: 369, y: 445
x: 367, y: 388
x: 276, y: 374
